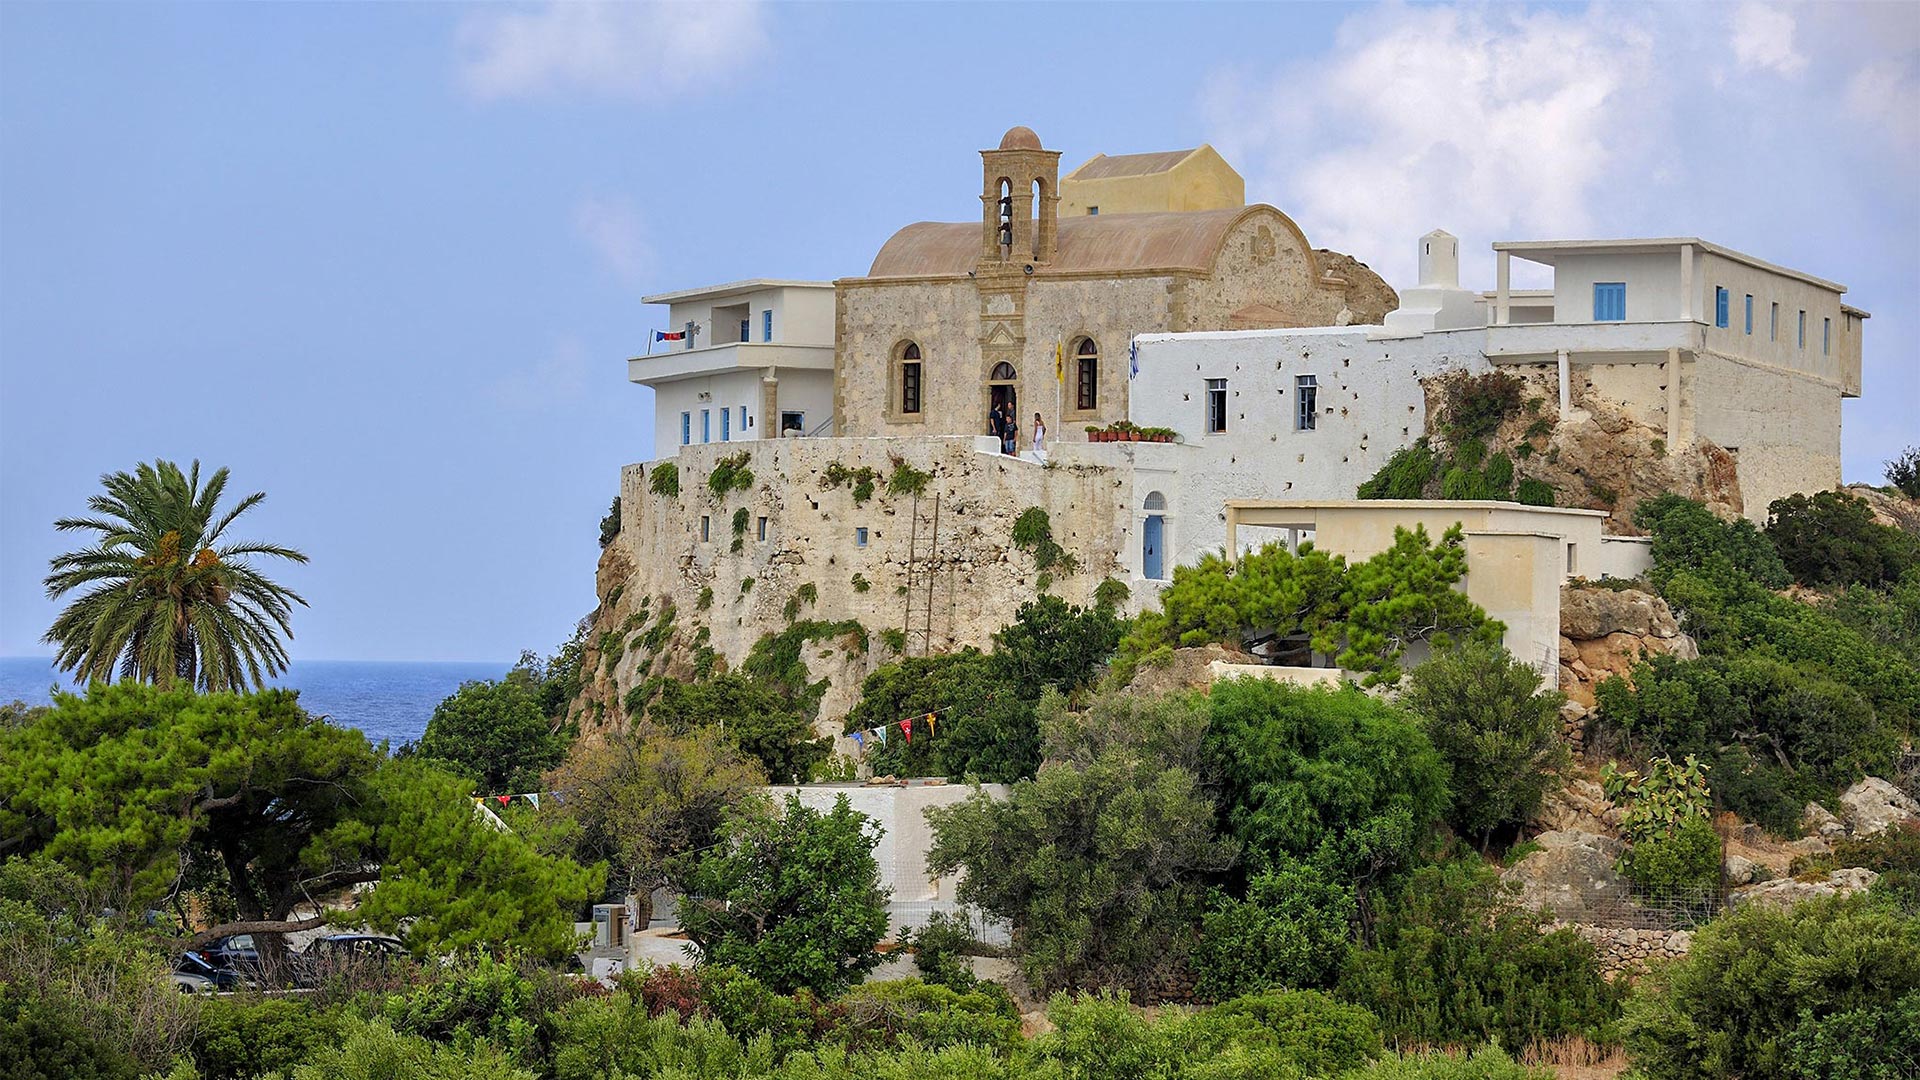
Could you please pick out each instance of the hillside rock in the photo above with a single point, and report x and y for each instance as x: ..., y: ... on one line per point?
x: 1606, y: 632
x: 1873, y: 805
x: 1821, y: 822
x: 1369, y: 297
x: 1889, y: 508
x: 1787, y: 892
x: 1579, y: 805
x: 1572, y: 872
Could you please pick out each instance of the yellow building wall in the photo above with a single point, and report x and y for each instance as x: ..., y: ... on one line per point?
x: 1201, y: 181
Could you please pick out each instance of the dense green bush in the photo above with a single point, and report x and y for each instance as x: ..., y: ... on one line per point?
x: 1775, y: 736
x: 1498, y: 733
x: 495, y: 732
x: 1688, y: 537
x: 985, y: 727
x: 1364, y: 615
x: 44, y: 1036
x: 1098, y: 866
x: 373, y: 1050
x: 1474, y: 406
x: 883, y: 1014
x: 1404, y: 476
x: 477, y: 998
x: 793, y: 899
x: 1731, y: 1006
x: 1832, y: 540
x: 1456, y: 964
x: 1687, y: 861
x: 237, y: 1039
x: 940, y: 950
x: 664, y: 479
x: 1305, y: 770
x: 1861, y: 1044
x: 762, y: 722
x: 1290, y: 932
x: 1489, y: 1063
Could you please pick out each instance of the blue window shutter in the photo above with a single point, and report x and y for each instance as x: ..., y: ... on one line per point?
x: 766, y: 325
x: 1749, y: 313
x: 1719, y: 307
x: 686, y: 428
x: 1609, y: 301
x: 726, y: 425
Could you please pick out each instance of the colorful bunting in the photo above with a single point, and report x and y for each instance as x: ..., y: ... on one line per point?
x: 860, y: 738
x: 906, y: 726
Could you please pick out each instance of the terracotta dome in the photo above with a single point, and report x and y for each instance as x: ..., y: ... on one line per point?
x: 1020, y: 138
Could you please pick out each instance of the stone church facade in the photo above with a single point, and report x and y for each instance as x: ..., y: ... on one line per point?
x: 1035, y: 311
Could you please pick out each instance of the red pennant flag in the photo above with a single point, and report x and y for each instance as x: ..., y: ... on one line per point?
x: 504, y: 799
x: 907, y: 726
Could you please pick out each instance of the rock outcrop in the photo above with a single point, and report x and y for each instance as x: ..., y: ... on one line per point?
x: 1889, y: 508
x: 1874, y: 805
x: 1571, y: 875
x: 1786, y: 892
x: 1606, y: 632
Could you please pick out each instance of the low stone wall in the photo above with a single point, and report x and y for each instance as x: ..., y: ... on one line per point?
x: 1627, y: 952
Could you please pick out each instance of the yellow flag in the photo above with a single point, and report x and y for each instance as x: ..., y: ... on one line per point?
x: 1060, y: 363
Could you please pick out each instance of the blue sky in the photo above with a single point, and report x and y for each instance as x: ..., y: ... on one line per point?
x: 384, y: 260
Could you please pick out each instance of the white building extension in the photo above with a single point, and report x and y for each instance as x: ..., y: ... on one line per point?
x: 755, y: 360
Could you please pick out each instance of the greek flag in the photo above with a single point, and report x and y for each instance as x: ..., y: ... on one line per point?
x: 1133, y: 359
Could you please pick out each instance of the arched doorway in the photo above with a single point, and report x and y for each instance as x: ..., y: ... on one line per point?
x: 1153, y: 538
x: 1001, y: 390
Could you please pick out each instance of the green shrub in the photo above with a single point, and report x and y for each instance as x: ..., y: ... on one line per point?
x: 1473, y: 406
x: 1404, y: 476
x: 1488, y: 1063
x: 907, y: 480
x: 1033, y: 534
x: 1832, y: 540
x: 1498, y: 478
x: 764, y: 722
x: 373, y: 1050
x: 1498, y: 734
x: 1304, y: 1028
x: 610, y: 525
x: 1291, y: 931
x: 861, y: 584
x: 730, y: 474
x: 1110, y: 594
x: 43, y: 1036
x: 940, y: 948
x: 1732, y: 1005
x: 1456, y: 964
x: 861, y: 480
x: 705, y: 599
x: 881, y: 1014
x: 479, y: 1000
x: 1534, y: 492
x: 238, y: 1039
x: 1688, y: 861
x: 665, y: 479
x: 793, y: 899
x: 1687, y: 537
x: 1300, y: 769
x: 1860, y: 1044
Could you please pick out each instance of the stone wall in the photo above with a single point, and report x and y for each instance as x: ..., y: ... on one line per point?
x: 1627, y: 952
x: 959, y: 587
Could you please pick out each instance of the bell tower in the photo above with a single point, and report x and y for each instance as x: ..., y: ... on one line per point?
x: 1019, y: 201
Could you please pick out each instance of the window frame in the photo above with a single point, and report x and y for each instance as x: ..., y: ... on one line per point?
x: 1773, y: 321
x: 1216, y: 418
x: 1609, y: 301
x: 766, y: 324
x: 1086, y: 375
x: 909, y: 396
x: 1749, y: 314
x: 1306, y: 391
x: 686, y: 428
x: 1722, y: 301
x: 706, y: 426
x: 726, y: 425
x: 1803, y: 329
x: 1826, y: 335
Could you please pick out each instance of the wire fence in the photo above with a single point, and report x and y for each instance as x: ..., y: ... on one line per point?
x: 1643, y: 909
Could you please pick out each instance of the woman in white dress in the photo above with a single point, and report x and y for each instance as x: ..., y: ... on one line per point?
x: 1039, y: 438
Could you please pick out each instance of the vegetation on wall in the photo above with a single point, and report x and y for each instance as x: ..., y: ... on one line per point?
x: 861, y: 480
x: 907, y: 480
x: 610, y: 525
x: 731, y: 474
x: 664, y: 479
x: 1033, y: 534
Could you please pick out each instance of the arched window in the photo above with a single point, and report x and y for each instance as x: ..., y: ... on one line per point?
x: 909, y: 379
x: 1006, y: 217
x: 1002, y: 372
x: 1086, y: 384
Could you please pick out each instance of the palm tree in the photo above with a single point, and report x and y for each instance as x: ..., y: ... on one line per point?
x: 165, y: 598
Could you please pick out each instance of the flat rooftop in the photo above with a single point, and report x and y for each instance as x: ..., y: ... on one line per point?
x: 1548, y: 252
x: 732, y: 288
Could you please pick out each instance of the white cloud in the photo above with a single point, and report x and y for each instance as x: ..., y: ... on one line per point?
x: 1885, y: 96
x: 643, y: 50
x: 613, y: 229
x: 1481, y: 120
x: 1763, y: 39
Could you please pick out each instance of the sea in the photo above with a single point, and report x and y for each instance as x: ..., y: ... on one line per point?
x: 390, y: 700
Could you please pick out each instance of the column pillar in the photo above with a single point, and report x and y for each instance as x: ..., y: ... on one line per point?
x: 1233, y: 547
x: 1673, y: 401
x: 1686, y: 282
x: 770, y: 405
x: 1503, y: 287
x: 1566, y: 391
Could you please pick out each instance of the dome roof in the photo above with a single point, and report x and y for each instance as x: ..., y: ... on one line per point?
x: 1174, y: 240
x: 1020, y: 138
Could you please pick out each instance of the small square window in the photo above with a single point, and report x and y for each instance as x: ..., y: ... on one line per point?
x: 706, y: 528
x: 1093, y: 211
x: 763, y: 528
x: 860, y: 536
x: 1609, y: 301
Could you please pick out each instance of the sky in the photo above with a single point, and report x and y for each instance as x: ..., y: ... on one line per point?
x: 384, y: 261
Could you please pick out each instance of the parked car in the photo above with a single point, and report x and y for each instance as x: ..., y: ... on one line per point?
x: 232, y: 951
x: 338, y: 954
x: 195, y: 974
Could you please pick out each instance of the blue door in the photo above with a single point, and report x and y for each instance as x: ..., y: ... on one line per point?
x: 1153, y: 540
